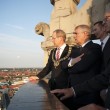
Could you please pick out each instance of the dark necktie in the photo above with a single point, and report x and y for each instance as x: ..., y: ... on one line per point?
x: 102, y: 45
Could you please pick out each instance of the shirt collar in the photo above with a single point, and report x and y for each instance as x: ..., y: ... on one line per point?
x: 85, y: 43
x: 106, y: 39
x: 63, y: 46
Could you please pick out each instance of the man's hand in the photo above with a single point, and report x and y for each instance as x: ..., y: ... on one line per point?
x: 33, y: 78
x: 66, y: 93
x: 76, y: 60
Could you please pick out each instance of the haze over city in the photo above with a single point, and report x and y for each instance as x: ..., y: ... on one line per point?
x: 20, y: 46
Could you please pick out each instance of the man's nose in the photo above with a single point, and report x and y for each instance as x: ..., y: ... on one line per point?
x: 106, y: 19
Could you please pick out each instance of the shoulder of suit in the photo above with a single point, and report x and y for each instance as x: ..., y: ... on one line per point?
x: 95, y: 46
x: 75, y: 47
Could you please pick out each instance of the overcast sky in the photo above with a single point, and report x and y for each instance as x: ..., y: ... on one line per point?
x: 20, y: 46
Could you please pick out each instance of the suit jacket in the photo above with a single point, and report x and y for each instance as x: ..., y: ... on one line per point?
x: 101, y: 81
x: 59, y: 77
x: 88, y: 67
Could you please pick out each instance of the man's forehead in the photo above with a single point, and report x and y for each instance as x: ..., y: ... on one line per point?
x: 107, y: 13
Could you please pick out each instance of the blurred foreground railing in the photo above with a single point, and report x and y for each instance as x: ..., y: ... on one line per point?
x: 35, y: 96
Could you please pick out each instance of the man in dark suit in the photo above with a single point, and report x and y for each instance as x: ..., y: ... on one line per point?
x: 88, y: 67
x: 59, y: 78
x: 100, y: 81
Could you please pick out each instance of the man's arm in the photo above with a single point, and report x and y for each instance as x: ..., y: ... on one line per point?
x: 68, y: 92
x: 97, y: 83
x: 88, y: 59
x: 73, y: 61
x: 46, y: 70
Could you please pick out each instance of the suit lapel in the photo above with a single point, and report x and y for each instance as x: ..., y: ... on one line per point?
x: 88, y: 44
x: 64, y: 53
x: 55, y: 53
x: 85, y: 48
x: 106, y: 53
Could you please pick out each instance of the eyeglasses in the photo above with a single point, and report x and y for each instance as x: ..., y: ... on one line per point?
x: 107, y: 17
x: 74, y: 32
x: 54, y: 38
x: 77, y: 32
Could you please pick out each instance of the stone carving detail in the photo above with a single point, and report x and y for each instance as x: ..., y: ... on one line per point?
x: 62, y: 14
x: 64, y: 8
x: 43, y: 29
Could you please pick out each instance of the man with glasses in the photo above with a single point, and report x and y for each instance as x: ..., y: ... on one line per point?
x: 59, y: 77
x: 99, y: 82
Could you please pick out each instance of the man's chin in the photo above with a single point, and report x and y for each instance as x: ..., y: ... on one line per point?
x: 93, y: 37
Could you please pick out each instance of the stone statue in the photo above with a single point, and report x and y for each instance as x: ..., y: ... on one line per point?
x: 61, y: 14
x: 43, y: 29
x: 64, y: 7
x: 66, y: 16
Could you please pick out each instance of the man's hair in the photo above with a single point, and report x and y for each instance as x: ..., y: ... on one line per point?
x: 100, y: 23
x: 85, y: 28
x: 60, y: 33
x: 107, y: 10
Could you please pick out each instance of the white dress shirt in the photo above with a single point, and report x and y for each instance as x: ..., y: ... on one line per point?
x: 61, y: 50
x: 104, y: 41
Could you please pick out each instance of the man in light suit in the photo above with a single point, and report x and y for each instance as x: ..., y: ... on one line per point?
x: 99, y: 82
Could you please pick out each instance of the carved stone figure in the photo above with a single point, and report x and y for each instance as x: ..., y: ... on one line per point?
x: 66, y: 16
x: 43, y: 29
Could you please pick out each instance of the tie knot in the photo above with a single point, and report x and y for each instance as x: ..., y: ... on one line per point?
x: 58, y: 48
x: 58, y: 54
x: 102, y: 44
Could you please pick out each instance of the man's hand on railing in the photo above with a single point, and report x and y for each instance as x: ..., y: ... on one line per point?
x: 66, y: 93
x: 33, y: 79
